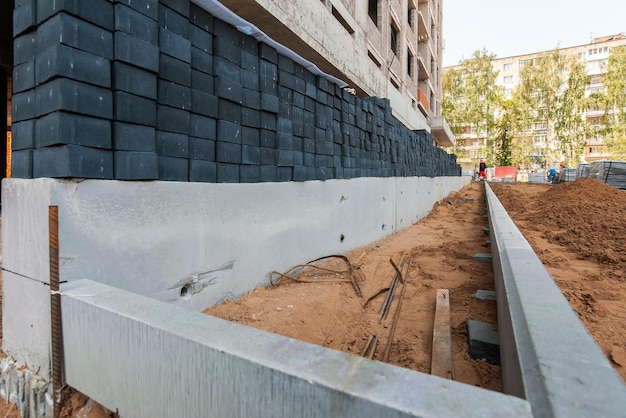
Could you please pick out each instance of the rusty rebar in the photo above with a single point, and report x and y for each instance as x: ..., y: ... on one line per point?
x: 396, y: 315
x: 370, y: 347
x: 55, y: 310
x: 384, y: 309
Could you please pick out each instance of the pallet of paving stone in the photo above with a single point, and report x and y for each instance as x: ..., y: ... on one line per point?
x: 567, y: 174
x: 609, y: 172
x: 536, y: 178
x: 582, y: 171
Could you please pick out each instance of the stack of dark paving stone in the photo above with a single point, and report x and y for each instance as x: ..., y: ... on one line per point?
x: 159, y: 89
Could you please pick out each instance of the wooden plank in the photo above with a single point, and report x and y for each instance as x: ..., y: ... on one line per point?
x: 441, y: 364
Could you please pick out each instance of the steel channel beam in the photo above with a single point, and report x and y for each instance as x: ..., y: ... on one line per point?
x: 548, y: 356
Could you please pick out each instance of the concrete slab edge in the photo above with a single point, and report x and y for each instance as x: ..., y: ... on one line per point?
x: 146, y: 358
x: 548, y: 356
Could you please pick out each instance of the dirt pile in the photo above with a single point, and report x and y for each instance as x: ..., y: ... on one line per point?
x: 578, y: 230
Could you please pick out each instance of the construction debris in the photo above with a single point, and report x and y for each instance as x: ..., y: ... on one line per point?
x: 352, y: 273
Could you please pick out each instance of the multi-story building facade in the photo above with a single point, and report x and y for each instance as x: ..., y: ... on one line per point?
x: 595, y: 56
x: 390, y: 49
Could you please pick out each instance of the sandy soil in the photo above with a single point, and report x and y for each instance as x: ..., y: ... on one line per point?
x: 441, y: 247
x: 577, y: 230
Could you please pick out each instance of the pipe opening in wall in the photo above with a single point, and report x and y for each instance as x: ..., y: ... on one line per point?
x: 341, y: 237
x: 185, y: 292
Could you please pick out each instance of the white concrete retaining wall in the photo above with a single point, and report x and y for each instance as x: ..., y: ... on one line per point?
x: 148, y: 359
x: 155, y: 238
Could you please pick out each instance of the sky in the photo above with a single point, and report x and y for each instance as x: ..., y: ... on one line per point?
x: 516, y: 27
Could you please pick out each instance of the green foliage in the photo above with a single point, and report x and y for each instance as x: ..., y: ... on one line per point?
x: 552, y: 91
x: 470, y: 96
x: 613, y: 102
x: 550, y: 94
x: 504, y: 138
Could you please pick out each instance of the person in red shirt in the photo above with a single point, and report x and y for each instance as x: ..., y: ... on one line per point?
x: 482, y: 170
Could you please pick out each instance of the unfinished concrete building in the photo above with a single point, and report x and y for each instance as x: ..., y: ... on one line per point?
x: 387, y: 49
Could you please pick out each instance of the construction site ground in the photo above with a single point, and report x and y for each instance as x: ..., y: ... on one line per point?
x: 577, y: 229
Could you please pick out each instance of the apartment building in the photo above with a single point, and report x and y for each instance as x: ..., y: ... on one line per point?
x: 383, y: 48
x: 595, y: 56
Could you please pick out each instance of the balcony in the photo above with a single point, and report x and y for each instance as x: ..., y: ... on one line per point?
x: 441, y: 131
x: 423, y: 73
x: 422, y: 29
x: 422, y: 101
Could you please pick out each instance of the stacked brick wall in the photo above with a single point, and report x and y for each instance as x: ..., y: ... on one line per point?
x: 159, y: 89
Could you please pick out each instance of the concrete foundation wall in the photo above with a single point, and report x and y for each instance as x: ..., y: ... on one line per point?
x: 171, y: 364
x: 188, y: 244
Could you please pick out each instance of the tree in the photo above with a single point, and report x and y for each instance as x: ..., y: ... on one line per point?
x: 613, y: 101
x: 470, y: 96
x: 505, y: 134
x: 551, y: 93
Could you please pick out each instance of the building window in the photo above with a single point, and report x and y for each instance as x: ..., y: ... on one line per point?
x: 394, y: 38
x: 342, y: 20
x: 524, y: 63
x: 508, y: 79
x: 508, y: 67
x: 394, y: 83
x: 372, y: 11
x: 373, y: 58
x: 410, y: 63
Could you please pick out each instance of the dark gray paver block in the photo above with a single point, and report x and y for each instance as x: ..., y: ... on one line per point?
x: 485, y: 295
x: 173, y: 169
x: 77, y: 33
x: 202, y: 171
x: 171, y: 144
x: 23, y: 135
x: 132, y: 137
x: 483, y: 341
x: 63, y: 61
x: 134, y: 80
x: 98, y: 12
x: 61, y: 128
x: 135, y: 165
x: 174, y: 45
x: 174, y: 70
x: 486, y: 257
x: 134, y: 109
x: 73, y: 161
x: 136, y: 24
x: 74, y: 96
x: 22, y: 164
x: 24, y: 76
x: 148, y: 7
x: 137, y: 52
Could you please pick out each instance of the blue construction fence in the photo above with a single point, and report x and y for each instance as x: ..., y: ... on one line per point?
x: 162, y: 90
